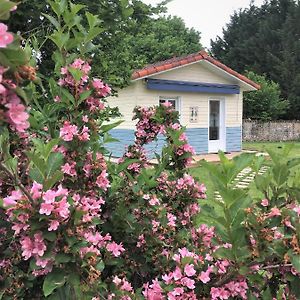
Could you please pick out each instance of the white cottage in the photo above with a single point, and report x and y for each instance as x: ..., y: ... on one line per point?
x: 207, y: 94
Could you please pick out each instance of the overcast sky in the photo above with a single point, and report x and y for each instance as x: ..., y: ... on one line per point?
x: 207, y: 16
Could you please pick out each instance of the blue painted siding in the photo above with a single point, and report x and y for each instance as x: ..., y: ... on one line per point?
x: 197, y: 137
x: 233, y: 139
x: 194, y: 87
x: 125, y: 137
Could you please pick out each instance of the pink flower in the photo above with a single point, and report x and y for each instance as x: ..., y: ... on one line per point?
x: 297, y: 210
x: 16, y: 114
x: 63, y: 208
x: 5, y: 37
x: 190, y: 283
x: 115, y: 249
x: 36, y: 190
x: 167, y: 278
x: 117, y: 281
x: 84, y: 134
x: 204, y: 276
x: 69, y: 169
x: 264, y: 202
x: 27, y: 247
x: 171, y: 219
x: 126, y: 286
x: 39, y: 245
x: 53, y: 225
x: 189, y: 270
x: 274, y: 212
x: 68, y: 131
x: 57, y: 99
x: 97, y: 83
x: 85, y: 119
x: 154, y: 201
x: 49, y: 196
x: 177, y: 274
x: 13, y: 198
x: 46, y: 209
x: 102, y: 181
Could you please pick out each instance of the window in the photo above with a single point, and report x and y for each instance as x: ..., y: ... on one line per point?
x: 173, y: 101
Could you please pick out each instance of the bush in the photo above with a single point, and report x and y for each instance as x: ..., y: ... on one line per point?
x: 75, y: 225
x: 265, y: 104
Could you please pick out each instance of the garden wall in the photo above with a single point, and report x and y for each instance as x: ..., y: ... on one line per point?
x: 271, y: 131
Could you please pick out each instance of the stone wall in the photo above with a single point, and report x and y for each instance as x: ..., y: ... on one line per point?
x: 271, y: 131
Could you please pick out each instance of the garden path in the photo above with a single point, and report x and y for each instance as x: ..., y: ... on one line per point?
x: 244, y: 178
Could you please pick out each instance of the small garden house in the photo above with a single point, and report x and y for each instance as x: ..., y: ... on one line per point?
x: 207, y: 94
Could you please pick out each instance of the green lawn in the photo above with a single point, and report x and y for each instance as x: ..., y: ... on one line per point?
x: 262, y: 146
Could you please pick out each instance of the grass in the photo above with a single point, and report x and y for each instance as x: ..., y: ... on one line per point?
x: 263, y: 146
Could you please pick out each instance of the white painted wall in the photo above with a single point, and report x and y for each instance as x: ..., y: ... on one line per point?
x: 138, y: 94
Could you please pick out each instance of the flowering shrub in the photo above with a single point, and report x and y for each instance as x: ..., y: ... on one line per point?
x: 75, y: 225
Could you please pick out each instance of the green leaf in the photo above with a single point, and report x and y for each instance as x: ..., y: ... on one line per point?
x: 48, y: 148
x: 92, y: 19
x: 267, y: 294
x: 105, y: 128
x: 15, y: 57
x: 53, y: 21
x: 50, y: 236
x: 56, y: 177
x: 94, y: 32
x: 76, y: 73
x: 75, y: 8
x: 100, y: 266
x: 20, y: 92
x: 68, y: 96
x: 53, y: 281
x: 6, y: 7
x: 54, y: 163
x: 60, y: 38
x: 295, y: 260
x: 84, y: 95
x: 62, y: 258
x: 38, y: 163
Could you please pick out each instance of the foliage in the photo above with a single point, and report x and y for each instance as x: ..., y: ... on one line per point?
x: 262, y: 40
x: 133, y: 34
x: 266, y: 103
x: 262, y: 229
x: 75, y: 225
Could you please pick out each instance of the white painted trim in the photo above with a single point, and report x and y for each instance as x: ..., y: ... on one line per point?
x: 222, y: 139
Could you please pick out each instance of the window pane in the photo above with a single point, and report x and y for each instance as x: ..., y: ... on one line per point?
x: 214, y: 120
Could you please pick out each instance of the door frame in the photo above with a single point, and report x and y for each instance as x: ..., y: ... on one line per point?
x: 215, y: 146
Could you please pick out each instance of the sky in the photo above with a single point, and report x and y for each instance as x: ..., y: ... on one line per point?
x: 206, y: 16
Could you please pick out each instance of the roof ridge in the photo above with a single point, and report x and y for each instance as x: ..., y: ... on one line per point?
x: 183, y: 60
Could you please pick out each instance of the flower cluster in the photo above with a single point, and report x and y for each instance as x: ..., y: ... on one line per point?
x: 6, y: 38
x: 14, y: 110
x: 135, y: 152
x: 52, y: 210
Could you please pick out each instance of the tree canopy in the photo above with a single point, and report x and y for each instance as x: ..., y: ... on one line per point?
x: 265, y: 40
x: 265, y: 104
x: 134, y: 34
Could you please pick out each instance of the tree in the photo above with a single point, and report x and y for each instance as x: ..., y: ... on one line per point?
x: 265, y: 104
x: 134, y: 34
x: 264, y: 40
